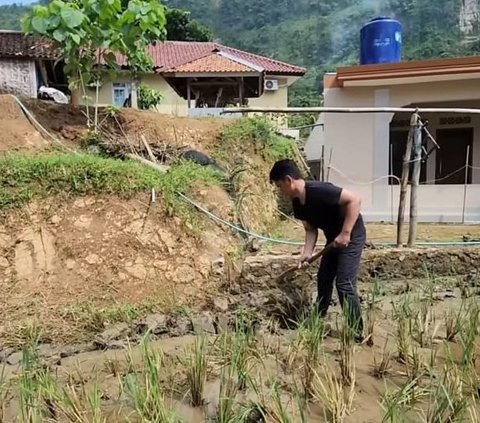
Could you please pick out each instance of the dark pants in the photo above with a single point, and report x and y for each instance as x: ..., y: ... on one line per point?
x: 342, y: 266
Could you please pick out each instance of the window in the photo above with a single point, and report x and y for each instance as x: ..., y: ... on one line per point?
x: 398, y: 142
x: 121, y: 92
x: 452, y: 156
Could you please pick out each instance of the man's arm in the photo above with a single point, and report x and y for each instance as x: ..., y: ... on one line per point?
x: 311, y: 235
x: 351, y: 204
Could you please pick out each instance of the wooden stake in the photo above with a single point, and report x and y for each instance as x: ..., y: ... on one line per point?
x: 322, y: 165
x: 467, y: 168
x: 404, y: 183
x: 329, y: 164
x: 417, y: 164
x: 149, y: 150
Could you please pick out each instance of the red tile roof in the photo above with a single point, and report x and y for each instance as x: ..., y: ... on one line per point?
x: 18, y: 45
x: 170, y: 55
x: 213, y: 63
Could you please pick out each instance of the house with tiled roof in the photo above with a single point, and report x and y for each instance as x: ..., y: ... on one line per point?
x: 26, y: 62
x: 195, y: 78
x: 200, y: 78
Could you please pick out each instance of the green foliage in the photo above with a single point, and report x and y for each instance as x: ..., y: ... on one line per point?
x: 181, y: 27
x: 87, y: 29
x: 256, y: 133
x: 23, y: 178
x: 148, y: 98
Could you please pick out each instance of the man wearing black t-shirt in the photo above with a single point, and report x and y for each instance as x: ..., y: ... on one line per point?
x: 336, y: 211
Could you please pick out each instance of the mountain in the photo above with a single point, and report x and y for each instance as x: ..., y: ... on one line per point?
x: 324, y: 34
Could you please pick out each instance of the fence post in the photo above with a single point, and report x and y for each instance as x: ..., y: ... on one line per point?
x: 467, y: 168
x: 417, y: 157
x: 404, y: 182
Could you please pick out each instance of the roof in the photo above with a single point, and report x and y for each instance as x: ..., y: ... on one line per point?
x: 16, y: 44
x: 408, y: 69
x: 173, y: 56
x: 168, y: 56
x: 213, y: 63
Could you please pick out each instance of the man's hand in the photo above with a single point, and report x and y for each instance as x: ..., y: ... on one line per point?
x: 303, y: 261
x: 342, y: 240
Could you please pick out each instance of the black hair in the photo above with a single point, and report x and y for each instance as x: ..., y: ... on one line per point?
x: 284, y: 168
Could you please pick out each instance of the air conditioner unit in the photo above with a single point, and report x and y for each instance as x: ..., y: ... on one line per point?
x: 271, y: 85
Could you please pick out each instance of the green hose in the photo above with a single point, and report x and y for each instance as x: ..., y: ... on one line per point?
x: 289, y: 242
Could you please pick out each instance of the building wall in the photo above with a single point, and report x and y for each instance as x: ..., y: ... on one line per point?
x: 173, y: 104
x: 18, y: 77
x: 360, y: 148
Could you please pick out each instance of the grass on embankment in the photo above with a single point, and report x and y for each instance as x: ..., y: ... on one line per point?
x: 24, y: 178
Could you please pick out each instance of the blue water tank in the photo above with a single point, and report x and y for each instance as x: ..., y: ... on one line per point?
x: 381, y: 41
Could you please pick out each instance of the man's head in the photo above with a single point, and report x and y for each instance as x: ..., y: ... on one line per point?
x: 286, y: 176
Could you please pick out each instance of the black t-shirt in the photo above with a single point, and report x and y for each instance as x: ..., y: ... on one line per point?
x: 322, y: 209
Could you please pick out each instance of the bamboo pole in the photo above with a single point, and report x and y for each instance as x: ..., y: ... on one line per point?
x: 299, y: 110
x: 404, y: 183
x: 467, y: 168
x: 417, y: 157
x: 329, y: 164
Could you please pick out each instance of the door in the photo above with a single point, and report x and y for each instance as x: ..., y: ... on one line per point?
x: 452, y: 156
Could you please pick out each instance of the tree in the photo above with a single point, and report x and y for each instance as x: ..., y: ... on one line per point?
x: 89, y: 32
x: 181, y: 27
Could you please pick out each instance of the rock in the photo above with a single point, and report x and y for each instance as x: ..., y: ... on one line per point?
x: 4, y: 354
x: 203, y: 323
x: 106, y: 339
x: 56, y: 219
x: 15, y: 358
x: 218, y: 266
x: 222, y: 323
x: 4, y: 262
x: 70, y: 264
x: 156, y: 324
x: 93, y: 259
x: 180, y: 326
x: 221, y: 304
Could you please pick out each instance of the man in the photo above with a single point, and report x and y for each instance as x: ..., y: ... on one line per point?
x: 336, y: 211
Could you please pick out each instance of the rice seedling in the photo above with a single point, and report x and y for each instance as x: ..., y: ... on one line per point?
x: 228, y: 394
x: 112, y: 367
x: 30, y: 395
x: 382, y: 367
x: 404, y: 339
x: 393, y: 412
x: 422, y: 325
x: 279, y: 412
x: 370, y: 326
x: 310, y: 333
x: 145, y: 391
x: 468, y: 335
x: 408, y: 394
x: 328, y: 389
x: 347, y: 344
x: 447, y: 402
x: 453, y: 322
x: 80, y: 408
x: 239, y: 347
x: 415, y: 366
x: 429, y: 286
x: 197, y: 370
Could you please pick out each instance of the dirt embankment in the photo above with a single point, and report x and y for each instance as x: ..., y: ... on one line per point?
x: 16, y: 132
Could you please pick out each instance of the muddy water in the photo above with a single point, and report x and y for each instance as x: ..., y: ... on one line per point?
x: 108, y: 368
